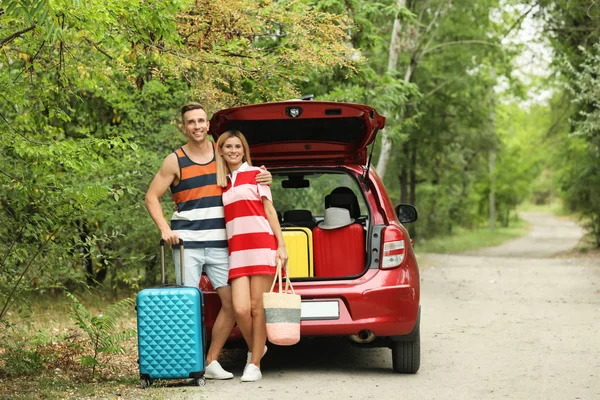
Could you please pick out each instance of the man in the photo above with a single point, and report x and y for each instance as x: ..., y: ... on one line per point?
x: 190, y: 173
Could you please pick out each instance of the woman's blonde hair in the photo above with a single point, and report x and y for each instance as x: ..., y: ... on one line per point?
x: 222, y: 167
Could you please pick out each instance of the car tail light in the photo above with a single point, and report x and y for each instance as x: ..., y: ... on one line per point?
x: 393, y: 248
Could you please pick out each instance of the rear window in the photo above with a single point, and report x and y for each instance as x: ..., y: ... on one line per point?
x: 312, y: 198
x: 342, y: 130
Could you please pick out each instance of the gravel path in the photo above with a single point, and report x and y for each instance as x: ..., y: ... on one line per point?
x: 548, y: 236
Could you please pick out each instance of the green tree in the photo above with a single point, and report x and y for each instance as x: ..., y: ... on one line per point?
x: 572, y: 29
x: 437, y: 100
x: 90, y: 92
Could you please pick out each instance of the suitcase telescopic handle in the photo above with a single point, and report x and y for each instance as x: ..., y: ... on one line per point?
x: 162, y: 260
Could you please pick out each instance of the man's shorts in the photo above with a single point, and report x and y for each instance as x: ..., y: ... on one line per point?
x: 216, y: 261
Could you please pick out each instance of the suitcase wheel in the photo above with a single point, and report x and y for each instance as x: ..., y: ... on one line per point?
x: 146, y: 382
x: 200, y: 382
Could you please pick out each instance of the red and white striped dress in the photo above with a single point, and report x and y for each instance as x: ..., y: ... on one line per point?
x: 252, y: 244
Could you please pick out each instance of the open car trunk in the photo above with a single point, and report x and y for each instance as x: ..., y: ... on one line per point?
x: 319, y: 244
x: 299, y: 132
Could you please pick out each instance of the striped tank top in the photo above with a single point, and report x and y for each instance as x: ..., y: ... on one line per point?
x: 199, y: 219
x: 252, y: 245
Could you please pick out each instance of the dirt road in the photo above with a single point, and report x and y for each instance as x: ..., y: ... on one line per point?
x: 511, y: 322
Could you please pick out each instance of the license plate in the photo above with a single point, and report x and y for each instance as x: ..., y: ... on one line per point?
x: 312, y: 310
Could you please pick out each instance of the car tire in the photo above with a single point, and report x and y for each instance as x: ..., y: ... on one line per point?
x: 406, y: 355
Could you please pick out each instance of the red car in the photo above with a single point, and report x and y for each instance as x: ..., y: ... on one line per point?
x: 360, y: 281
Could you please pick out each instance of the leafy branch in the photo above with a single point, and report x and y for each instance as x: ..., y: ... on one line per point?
x: 460, y: 42
x: 10, y: 298
x: 95, y: 46
x: 15, y: 35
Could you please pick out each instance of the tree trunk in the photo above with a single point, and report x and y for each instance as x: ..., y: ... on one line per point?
x: 151, y: 271
x: 386, y: 143
x: 493, y: 155
x: 403, y: 179
x: 492, y: 198
x: 413, y: 174
x: 92, y: 277
x: 413, y: 182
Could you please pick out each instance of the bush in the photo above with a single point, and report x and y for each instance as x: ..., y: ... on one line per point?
x: 102, y: 332
x: 26, y: 356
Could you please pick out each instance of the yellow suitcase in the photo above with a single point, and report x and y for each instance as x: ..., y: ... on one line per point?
x: 299, y: 245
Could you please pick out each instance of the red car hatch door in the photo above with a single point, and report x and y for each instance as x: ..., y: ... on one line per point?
x: 302, y: 132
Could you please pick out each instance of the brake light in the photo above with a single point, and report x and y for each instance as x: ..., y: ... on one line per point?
x: 393, y: 248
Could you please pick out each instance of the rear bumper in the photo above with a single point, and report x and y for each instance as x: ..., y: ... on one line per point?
x: 387, y: 311
x: 368, y: 303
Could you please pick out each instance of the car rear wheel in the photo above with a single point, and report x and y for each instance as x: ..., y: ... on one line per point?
x: 406, y: 355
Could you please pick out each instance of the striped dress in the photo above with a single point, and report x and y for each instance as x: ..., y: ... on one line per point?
x: 199, y: 218
x: 252, y: 244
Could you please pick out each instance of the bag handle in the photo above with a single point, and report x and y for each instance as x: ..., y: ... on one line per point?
x: 278, y: 276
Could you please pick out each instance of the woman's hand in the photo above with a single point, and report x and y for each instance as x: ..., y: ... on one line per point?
x: 281, y: 255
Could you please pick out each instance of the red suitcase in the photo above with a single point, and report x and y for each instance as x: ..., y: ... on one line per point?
x: 339, y: 252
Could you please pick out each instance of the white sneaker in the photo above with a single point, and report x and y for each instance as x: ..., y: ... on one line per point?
x: 215, y: 371
x: 249, y: 357
x: 251, y: 373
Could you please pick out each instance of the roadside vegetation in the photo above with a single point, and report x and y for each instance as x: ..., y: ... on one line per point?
x: 60, y: 348
x: 89, y: 99
x: 464, y: 239
x: 556, y: 208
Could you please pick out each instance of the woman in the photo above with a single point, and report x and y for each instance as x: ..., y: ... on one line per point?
x: 255, y: 243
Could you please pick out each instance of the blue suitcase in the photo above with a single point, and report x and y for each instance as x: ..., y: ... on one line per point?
x: 171, y: 336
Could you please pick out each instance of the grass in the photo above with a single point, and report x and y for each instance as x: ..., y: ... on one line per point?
x: 50, y: 385
x: 52, y: 310
x: 471, y: 239
x: 40, y: 357
x: 40, y: 354
x: 556, y: 208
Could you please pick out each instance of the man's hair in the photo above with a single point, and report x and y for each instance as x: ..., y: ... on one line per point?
x: 189, y: 107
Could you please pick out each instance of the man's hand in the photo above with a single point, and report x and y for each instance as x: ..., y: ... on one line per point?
x: 265, y: 177
x: 170, y: 237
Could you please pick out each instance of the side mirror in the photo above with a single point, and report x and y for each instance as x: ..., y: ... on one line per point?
x: 406, y: 213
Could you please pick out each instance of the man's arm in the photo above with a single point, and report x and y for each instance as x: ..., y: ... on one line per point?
x: 265, y: 177
x: 166, y: 175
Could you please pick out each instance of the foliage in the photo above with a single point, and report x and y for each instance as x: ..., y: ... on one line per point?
x: 521, y: 159
x: 472, y: 239
x: 583, y: 87
x: 32, y: 354
x: 372, y: 84
x: 578, y: 178
x: 19, y: 360
x: 570, y: 26
x: 102, y: 329
x: 90, y: 92
x: 312, y: 198
x: 438, y: 102
x: 572, y: 30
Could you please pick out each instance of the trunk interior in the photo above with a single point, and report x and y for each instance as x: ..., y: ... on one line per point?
x: 323, y: 240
